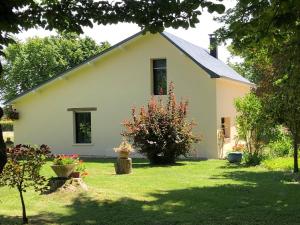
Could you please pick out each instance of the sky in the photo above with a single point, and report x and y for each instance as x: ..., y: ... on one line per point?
x: 116, y: 33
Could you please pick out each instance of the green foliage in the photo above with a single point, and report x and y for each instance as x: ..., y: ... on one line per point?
x: 66, y: 159
x: 279, y: 163
x: 162, y: 133
x: 253, y: 126
x: 252, y: 159
x: 7, y: 125
x: 266, y: 33
x: 282, y: 145
x: 22, y: 170
x: 38, y: 59
x: 72, y: 15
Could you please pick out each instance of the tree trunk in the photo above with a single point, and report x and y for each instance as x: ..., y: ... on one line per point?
x: 295, y: 141
x: 25, y: 219
x: 3, y: 156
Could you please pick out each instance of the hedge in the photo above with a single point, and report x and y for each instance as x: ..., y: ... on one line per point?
x: 7, y: 125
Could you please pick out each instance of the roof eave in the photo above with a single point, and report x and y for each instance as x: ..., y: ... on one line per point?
x: 71, y: 70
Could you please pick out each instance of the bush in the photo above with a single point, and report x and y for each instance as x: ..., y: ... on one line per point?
x: 254, y: 127
x: 282, y: 145
x: 7, y: 125
x: 252, y: 159
x: 161, y: 133
x: 280, y: 163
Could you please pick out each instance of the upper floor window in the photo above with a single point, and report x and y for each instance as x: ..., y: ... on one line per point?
x: 83, y: 128
x: 159, y: 67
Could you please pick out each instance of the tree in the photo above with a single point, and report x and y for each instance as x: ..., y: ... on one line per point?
x: 253, y: 126
x: 38, y: 59
x: 23, y: 170
x: 72, y: 15
x: 3, y: 155
x: 162, y: 132
x: 270, y: 30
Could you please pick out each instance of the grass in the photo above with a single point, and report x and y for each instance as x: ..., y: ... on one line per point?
x: 191, y: 192
x: 281, y: 163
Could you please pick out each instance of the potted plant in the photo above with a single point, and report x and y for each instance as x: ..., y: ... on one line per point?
x: 12, y: 114
x: 124, y: 150
x: 236, y: 155
x: 80, y: 170
x: 64, y: 165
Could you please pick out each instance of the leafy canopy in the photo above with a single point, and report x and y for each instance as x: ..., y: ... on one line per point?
x: 72, y: 15
x: 38, y: 59
x: 267, y: 34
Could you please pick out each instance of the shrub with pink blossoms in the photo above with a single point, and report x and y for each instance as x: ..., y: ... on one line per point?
x: 161, y: 132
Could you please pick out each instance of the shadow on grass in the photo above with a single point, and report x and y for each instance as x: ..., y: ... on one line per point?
x: 229, y: 165
x: 257, y: 198
x: 137, y: 162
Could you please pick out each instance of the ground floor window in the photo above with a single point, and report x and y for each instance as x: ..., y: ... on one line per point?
x: 83, y: 128
x: 225, y: 125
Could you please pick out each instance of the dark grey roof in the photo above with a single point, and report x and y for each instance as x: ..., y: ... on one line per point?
x: 214, y: 67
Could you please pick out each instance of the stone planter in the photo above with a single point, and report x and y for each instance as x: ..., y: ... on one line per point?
x: 123, y: 166
x: 75, y: 174
x: 235, y: 157
x: 63, y: 171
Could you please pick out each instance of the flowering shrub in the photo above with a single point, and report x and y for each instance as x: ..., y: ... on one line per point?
x: 124, y: 147
x: 238, y: 148
x: 23, y: 168
x: 66, y: 159
x: 161, y: 132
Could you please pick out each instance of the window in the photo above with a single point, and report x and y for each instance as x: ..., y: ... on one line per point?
x: 159, y: 67
x: 83, y: 128
x: 225, y: 124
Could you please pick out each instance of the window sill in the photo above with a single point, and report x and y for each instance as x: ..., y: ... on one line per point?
x: 74, y: 144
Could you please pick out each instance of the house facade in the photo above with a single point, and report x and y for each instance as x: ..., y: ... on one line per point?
x: 81, y: 110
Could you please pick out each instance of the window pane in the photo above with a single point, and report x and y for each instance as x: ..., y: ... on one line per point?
x: 159, y: 63
x: 83, y: 127
x: 159, y: 77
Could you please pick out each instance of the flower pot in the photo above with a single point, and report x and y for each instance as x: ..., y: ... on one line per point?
x: 63, y: 171
x: 235, y: 157
x: 123, y: 155
x: 75, y: 174
x: 13, y: 115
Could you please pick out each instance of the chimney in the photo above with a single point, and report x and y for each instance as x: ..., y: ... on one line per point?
x: 213, y: 47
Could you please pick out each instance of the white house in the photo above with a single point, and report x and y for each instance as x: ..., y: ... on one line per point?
x: 81, y: 110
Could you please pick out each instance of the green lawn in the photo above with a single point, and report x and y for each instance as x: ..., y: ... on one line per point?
x: 192, y: 192
x: 281, y: 163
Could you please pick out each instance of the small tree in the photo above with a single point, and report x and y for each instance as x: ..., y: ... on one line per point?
x: 253, y: 126
x: 23, y: 170
x: 161, y: 132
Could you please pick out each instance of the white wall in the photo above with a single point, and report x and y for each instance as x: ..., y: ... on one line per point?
x: 113, y: 84
x: 227, y: 92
